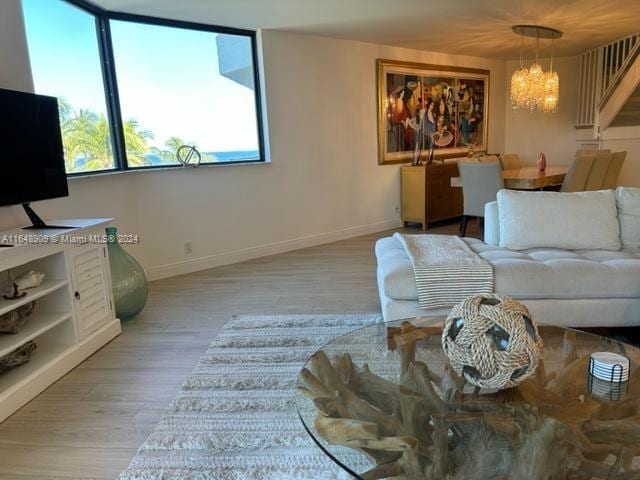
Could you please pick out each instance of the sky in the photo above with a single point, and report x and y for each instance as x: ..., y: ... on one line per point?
x: 168, y: 78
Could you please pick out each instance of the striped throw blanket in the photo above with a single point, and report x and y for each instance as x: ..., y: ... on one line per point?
x: 446, y: 269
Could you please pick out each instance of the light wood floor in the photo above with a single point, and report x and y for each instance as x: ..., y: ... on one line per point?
x: 91, y: 422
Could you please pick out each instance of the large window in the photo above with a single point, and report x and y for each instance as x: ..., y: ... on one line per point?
x: 65, y: 62
x: 173, y: 84
x: 133, y: 89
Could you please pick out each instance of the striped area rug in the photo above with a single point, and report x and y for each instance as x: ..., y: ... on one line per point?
x: 235, y: 416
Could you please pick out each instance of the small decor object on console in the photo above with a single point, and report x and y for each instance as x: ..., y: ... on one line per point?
x: 542, y: 162
x: 14, y: 293
x: 472, y: 155
x: 13, y: 321
x: 30, y: 279
x: 27, y: 280
x: 19, y: 356
x: 128, y: 280
x: 491, y: 341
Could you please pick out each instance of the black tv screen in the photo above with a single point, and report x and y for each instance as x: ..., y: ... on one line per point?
x: 31, y: 153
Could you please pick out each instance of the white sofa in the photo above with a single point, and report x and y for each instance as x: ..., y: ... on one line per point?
x: 596, y: 284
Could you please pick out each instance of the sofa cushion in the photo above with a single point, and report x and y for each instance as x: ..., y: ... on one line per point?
x: 395, y: 272
x: 628, y: 200
x: 529, y: 274
x: 572, y: 221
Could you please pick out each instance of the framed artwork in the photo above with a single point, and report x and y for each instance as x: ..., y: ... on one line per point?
x: 430, y: 111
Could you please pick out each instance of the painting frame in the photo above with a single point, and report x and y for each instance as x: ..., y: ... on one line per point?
x: 443, y: 73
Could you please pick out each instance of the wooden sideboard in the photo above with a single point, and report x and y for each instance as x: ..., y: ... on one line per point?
x: 427, y: 195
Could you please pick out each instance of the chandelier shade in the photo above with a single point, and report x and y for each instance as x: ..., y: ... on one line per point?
x: 533, y: 88
x: 519, y: 88
x: 551, y: 92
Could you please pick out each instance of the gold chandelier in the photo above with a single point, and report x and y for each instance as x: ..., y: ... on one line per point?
x: 532, y: 88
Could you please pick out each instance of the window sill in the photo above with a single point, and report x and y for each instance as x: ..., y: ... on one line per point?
x: 167, y: 168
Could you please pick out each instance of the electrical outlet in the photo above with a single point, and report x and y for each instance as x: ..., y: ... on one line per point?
x: 397, y: 209
x: 188, y: 248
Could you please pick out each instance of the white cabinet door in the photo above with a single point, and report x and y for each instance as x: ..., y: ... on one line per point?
x: 91, y: 289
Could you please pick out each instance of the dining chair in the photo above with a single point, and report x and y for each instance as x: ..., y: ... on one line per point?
x: 576, y: 177
x: 598, y: 170
x: 510, y: 161
x: 590, y: 151
x: 611, y: 177
x: 480, y: 184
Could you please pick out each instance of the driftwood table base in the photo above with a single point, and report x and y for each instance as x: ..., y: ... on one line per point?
x: 424, y: 425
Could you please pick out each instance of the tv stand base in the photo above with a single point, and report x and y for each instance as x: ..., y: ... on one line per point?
x: 38, y: 223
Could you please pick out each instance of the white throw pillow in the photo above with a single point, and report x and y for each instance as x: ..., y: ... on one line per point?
x: 629, y: 215
x: 572, y: 221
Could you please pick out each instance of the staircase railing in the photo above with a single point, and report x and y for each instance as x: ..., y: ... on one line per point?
x: 601, y: 70
x: 614, y: 81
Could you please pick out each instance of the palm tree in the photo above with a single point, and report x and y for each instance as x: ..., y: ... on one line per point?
x: 87, y: 141
x: 66, y: 113
x: 168, y: 155
x: 86, y: 138
x: 174, y: 143
x: 136, y: 144
x: 65, y: 109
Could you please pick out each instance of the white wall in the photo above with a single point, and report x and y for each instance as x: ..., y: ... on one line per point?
x: 323, y: 183
x: 15, y: 71
x: 528, y: 134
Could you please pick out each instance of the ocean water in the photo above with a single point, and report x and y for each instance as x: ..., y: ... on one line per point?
x: 235, y: 155
x: 230, y: 156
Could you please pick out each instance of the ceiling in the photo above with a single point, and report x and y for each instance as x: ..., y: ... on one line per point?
x: 471, y: 27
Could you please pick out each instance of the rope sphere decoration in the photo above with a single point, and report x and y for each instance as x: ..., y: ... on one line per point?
x: 491, y: 341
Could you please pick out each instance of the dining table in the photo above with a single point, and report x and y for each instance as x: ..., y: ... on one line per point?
x: 528, y: 178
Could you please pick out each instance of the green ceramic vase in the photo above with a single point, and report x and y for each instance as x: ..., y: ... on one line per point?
x: 129, y: 282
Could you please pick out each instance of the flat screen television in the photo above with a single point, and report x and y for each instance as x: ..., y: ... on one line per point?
x: 31, y: 154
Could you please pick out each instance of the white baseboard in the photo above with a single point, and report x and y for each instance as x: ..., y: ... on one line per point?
x: 236, y: 256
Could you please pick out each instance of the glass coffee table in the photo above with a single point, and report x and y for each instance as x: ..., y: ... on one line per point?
x: 382, y: 402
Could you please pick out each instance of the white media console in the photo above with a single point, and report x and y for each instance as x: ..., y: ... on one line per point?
x: 74, y: 314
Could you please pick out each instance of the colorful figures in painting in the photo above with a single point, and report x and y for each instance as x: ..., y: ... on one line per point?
x: 426, y: 113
